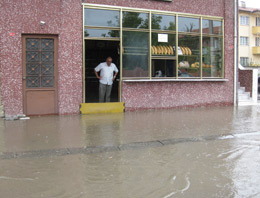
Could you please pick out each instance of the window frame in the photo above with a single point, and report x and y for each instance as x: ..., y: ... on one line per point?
x: 242, y: 19
x: 257, y: 21
x: 257, y: 41
x: 242, y: 60
x: 150, y: 31
x: 244, y: 41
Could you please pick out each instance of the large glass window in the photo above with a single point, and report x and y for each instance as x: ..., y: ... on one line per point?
x: 135, y: 54
x: 135, y: 20
x: 101, y: 18
x: 101, y: 33
x: 163, y: 55
x: 163, y: 44
x: 212, y: 57
x: 163, y: 68
x: 211, y: 27
x: 186, y: 24
x: 189, y: 56
x: 149, y: 45
x: 163, y: 22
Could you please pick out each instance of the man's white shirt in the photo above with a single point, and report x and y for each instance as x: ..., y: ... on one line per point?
x: 106, y: 72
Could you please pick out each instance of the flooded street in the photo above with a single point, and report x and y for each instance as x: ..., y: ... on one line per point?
x: 201, y: 152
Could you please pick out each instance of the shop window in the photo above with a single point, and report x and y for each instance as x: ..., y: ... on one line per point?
x: 135, y: 54
x: 211, y: 27
x: 163, y: 55
x: 186, y: 24
x: 163, y: 68
x: 101, y: 18
x: 101, y: 33
x: 189, y: 56
x: 163, y: 22
x: 135, y: 20
x: 212, y: 57
x: 243, y: 40
x: 163, y: 45
x: 149, y: 51
x: 244, y: 61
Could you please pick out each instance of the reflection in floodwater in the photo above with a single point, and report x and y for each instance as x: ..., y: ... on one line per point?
x: 204, y: 152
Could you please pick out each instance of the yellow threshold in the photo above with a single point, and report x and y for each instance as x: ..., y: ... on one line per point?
x: 108, y: 107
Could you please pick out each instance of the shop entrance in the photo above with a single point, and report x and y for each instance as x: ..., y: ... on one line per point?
x: 96, y: 51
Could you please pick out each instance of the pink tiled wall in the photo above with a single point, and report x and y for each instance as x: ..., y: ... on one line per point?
x: 64, y: 18
x: 205, y: 7
x: 175, y: 94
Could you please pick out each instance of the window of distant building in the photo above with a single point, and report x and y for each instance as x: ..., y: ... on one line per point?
x: 244, y: 20
x: 257, y: 21
x: 257, y: 41
x: 243, y: 40
x: 243, y: 4
x: 244, y: 61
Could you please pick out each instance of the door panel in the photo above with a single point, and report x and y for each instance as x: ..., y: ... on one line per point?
x: 40, y: 102
x: 40, y: 74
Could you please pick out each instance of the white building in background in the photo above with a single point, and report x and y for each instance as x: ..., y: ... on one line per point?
x: 249, y: 47
x: 249, y: 36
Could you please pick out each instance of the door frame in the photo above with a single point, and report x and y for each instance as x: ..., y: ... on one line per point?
x: 84, y: 65
x: 55, y: 89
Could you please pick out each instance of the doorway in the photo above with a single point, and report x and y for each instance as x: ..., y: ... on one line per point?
x: 39, y: 74
x: 96, y: 51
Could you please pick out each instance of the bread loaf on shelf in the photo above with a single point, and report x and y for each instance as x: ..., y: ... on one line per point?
x: 162, y: 50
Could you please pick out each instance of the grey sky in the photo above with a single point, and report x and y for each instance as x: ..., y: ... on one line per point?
x: 251, y: 3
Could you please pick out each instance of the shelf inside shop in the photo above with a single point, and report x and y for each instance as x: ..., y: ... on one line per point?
x: 136, y: 54
x: 164, y: 57
x: 191, y: 68
x: 195, y: 68
x: 188, y: 55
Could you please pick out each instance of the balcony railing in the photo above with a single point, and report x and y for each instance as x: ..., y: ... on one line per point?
x: 256, y: 30
x: 256, y: 50
x: 254, y: 65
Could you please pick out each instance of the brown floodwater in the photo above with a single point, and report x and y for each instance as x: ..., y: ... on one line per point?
x: 201, y: 152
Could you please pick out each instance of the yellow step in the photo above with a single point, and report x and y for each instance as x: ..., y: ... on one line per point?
x: 108, y: 107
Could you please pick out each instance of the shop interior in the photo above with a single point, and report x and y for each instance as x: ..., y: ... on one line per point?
x: 96, y: 51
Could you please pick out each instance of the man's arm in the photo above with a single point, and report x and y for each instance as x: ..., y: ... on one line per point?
x: 99, y: 77
x: 115, y: 76
x: 116, y: 72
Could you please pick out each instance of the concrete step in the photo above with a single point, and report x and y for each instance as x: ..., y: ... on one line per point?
x: 241, y: 90
x: 247, y: 102
x: 109, y: 107
x: 244, y: 96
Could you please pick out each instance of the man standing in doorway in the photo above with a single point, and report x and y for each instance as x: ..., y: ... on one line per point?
x: 106, y: 78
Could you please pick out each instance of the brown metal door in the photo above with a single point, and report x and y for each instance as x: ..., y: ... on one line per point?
x: 40, y: 74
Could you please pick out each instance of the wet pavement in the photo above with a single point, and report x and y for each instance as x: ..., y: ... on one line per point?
x: 201, y: 152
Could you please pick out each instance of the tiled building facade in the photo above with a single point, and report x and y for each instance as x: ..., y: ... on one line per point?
x: 64, y: 19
